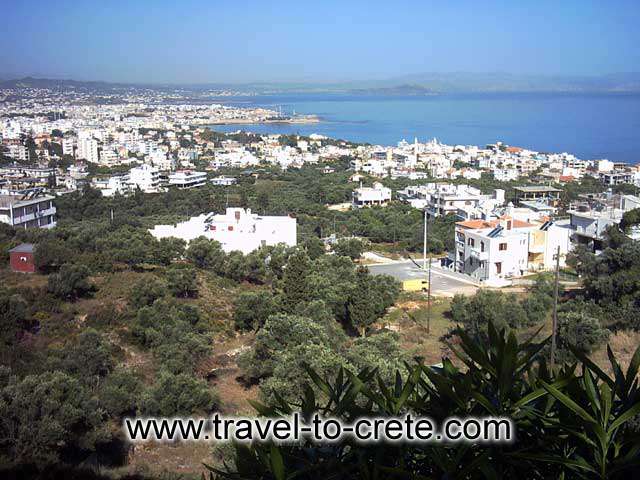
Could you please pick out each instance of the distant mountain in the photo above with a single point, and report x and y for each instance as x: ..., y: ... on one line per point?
x: 409, y: 90
x: 504, y: 82
x: 31, y: 82
x: 414, y: 84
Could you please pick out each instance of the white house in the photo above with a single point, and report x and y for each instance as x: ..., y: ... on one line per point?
x: 495, y: 250
x: 187, y: 179
x: 146, y: 178
x: 237, y: 229
x: 367, y: 196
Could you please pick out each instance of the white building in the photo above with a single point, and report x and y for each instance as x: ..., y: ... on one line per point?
x: 88, y: 150
x: 442, y: 199
x: 368, y: 196
x: 187, y: 179
x: 590, y: 221
x: 28, y: 211
x: 112, y: 185
x: 237, y: 229
x: 146, y: 178
x: 223, y: 181
x: 496, y: 250
x: 68, y: 146
x: 19, y: 153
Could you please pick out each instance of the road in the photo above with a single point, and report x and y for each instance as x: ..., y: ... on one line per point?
x: 443, y: 282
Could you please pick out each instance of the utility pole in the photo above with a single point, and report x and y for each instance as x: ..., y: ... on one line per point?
x: 424, y: 266
x: 424, y: 242
x: 554, y: 328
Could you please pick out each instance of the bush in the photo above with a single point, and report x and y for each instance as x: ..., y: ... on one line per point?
x: 580, y: 330
x: 146, y: 291
x: 178, y: 395
x: 70, y: 283
x: 181, y: 281
x: 252, y: 309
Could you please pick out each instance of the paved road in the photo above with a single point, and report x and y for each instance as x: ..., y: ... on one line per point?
x: 444, y: 282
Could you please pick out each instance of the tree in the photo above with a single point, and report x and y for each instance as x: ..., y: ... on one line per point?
x: 14, y: 317
x: 580, y: 330
x: 236, y: 266
x: 47, y: 416
x: 205, y: 253
x: 89, y: 358
x: 314, y: 247
x: 180, y: 394
x: 169, y: 249
x: 51, y: 254
x: 362, y: 311
x: 349, y: 247
x: 70, y: 283
x: 120, y: 393
x: 146, y: 291
x: 295, y: 286
x: 252, y: 309
x: 181, y: 281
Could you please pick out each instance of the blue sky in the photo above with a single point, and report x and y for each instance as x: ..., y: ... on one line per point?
x: 193, y: 41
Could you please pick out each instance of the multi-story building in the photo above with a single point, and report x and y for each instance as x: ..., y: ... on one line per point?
x: 31, y: 210
x: 492, y: 251
x: 187, y: 179
x: 616, y: 178
x: 18, y: 152
x: 68, y: 145
x: 368, y: 196
x: 88, y: 149
x: 441, y: 199
x: 591, y: 218
x: 146, y: 178
x: 543, y: 193
x: 237, y: 229
x: 112, y: 185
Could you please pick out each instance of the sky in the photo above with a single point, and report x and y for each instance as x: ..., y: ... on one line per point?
x: 239, y: 41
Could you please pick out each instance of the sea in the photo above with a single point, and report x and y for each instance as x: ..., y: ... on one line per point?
x: 590, y: 126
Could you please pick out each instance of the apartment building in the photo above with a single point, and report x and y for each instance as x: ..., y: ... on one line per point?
x: 594, y: 214
x: 88, y: 149
x: 464, y: 201
x: 369, y: 196
x: 146, y: 178
x: 184, y: 179
x: 116, y: 184
x: 31, y: 210
x: 236, y: 229
x: 542, y: 193
x: 492, y: 251
x: 19, y: 153
x: 68, y: 145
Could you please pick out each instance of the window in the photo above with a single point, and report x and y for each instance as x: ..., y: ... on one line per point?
x: 482, y: 246
x: 471, y: 242
x: 498, y: 267
x: 502, y: 246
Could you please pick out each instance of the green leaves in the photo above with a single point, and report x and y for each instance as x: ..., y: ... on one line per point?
x: 569, y: 423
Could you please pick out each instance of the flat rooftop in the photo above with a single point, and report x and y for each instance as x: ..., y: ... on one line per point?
x: 537, y: 189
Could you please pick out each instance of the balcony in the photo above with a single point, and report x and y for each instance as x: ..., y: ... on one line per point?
x: 480, y: 255
x: 533, y: 248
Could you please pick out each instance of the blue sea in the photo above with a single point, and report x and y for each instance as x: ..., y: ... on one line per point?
x: 591, y: 126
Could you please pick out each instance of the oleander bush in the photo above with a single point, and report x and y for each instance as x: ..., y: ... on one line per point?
x: 574, y: 421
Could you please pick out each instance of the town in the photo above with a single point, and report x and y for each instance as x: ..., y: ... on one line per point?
x: 154, y: 266
x: 150, y: 142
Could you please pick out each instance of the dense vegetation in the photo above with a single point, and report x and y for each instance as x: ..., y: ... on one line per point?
x: 569, y: 423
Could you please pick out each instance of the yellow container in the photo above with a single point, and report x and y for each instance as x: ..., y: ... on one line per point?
x: 415, y: 285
